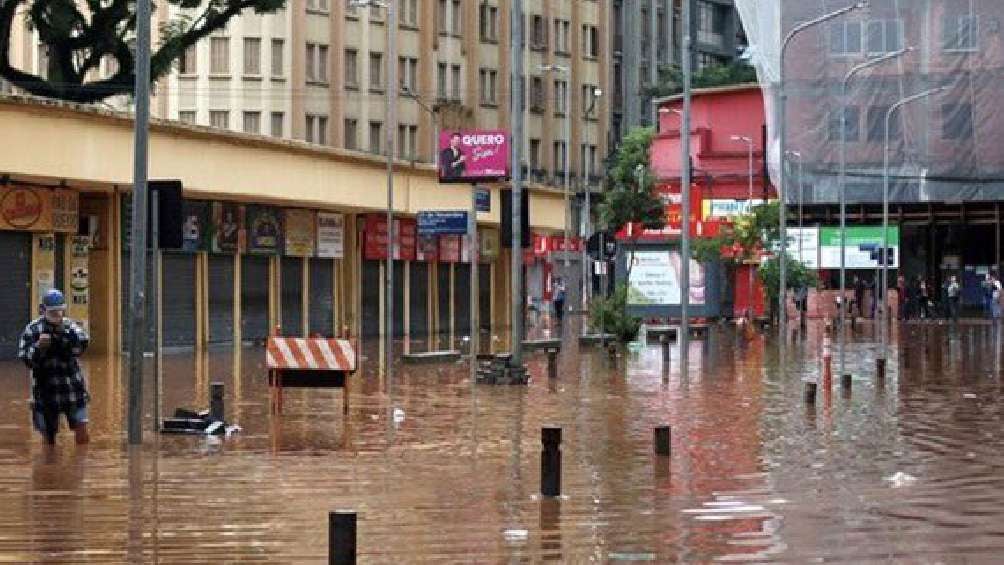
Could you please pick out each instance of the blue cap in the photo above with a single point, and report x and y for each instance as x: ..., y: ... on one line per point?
x: 54, y: 300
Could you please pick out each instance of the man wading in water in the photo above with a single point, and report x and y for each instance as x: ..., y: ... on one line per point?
x: 50, y: 346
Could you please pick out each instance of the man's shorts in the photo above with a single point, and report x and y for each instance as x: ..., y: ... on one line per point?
x: 46, y: 422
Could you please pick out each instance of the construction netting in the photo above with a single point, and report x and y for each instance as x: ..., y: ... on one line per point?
x: 945, y: 146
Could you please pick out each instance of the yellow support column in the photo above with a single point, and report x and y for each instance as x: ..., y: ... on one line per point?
x: 407, y: 307
x: 238, y: 275
x: 304, y: 298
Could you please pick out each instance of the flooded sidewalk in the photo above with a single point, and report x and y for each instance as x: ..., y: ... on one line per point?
x: 902, y: 470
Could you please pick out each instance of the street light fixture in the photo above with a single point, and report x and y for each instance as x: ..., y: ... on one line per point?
x: 749, y: 145
x: 587, y: 278
x: 560, y: 70
x: 782, y: 127
x: 801, y: 188
x: 842, y: 182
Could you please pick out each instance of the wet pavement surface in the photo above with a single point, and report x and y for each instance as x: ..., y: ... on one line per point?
x: 908, y: 470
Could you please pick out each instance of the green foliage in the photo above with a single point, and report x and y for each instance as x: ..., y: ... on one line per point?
x: 708, y: 249
x: 798, y: 275
x: 609, y: 315
x: 80, y: 35
x: 630, y: 198
x: 671, y: 78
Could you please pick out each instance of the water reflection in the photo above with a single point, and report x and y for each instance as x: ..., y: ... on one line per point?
x: 441, y: 469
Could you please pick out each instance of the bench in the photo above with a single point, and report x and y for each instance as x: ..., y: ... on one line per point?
x: 308, y: 363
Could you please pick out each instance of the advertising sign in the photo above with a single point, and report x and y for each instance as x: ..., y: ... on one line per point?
x: 79, y: 285
x: 863, y: 247
x: 655, y: 279
x: 43, y: 264
x: 375, y: 238
x: 264, y: 229
x: 446, y: 222
x: 330, y: 235
x: 299, y: 235
x: 673, y: 201
x: 195, y: 226
x: 25, y: 208
x: 449, y: 248
x: 482, y: 200
x: 227, y: 228
x: 489, y: 239
x: 65, y: 211
x: 728, y: 208
x: 427, y: 248
x: 803, y: 246
x: 467, y: 156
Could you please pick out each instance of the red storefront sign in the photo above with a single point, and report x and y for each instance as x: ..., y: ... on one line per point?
x: 375, y: 238
x: 557, y: 243
x: 673, y: 201
x: 541, y: 245
x: 449, y: 248
x: 427, y: 249
x: 548, y: 281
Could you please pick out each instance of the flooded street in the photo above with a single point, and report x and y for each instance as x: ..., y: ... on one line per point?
x: 905, y: 471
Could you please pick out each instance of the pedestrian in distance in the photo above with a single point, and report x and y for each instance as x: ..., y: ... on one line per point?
x: 995, y: 299
x: 50, y: 346
x: 953, y: 292
x: 559, y: 300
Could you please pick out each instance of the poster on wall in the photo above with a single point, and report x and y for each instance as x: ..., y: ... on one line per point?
x: 25, y: 208
x: 65, y: 211
x: 78, y: 303
x: 227, y: 228
x: 299, y: 233
x: 43, y: 263
x: 655, y: 279
x: 466, y: 156
x: 195, y: 223
x: 427, y: 248
x: 449, y: 248
x: 330, y: 235
x: 264, y: 229
x: 489, y: 239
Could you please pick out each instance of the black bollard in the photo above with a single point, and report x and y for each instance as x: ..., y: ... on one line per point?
x: 216, y: 402
x: 880, y: 368
x: 845, y: 381
x: 662, y: 436
x: 810, y: 392
x: 665, y: 351
x: 550, y: 462
x: 341, y: 538
x: 612, y: 353
x: 552, y: 363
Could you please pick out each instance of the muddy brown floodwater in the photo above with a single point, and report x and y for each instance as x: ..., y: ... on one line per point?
x: 909, y: 470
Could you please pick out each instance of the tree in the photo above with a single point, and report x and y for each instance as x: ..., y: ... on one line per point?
x: 79, y: 34
x: 671, y: 78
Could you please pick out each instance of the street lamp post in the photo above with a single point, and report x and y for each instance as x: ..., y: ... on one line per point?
x: 883, y: 255
x: 566, y: 72
x: 587, y: 277
x: 782, y: 127
x: 801, y: 187
x: 842, y: 182
x: 749, y: 146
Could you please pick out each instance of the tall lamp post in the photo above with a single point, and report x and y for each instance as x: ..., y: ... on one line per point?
x: 587, y: 277
x: 782, y: 130
x: 801, y: 187
x: 842, y: 182
x: 559, y: 70
x: 883, y: 255
x: 749, y: 146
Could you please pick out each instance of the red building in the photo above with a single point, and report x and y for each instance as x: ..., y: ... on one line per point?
x: 726, y: 124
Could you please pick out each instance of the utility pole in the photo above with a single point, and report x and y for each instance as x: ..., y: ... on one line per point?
x: 137, y: 257
x: 516, y: 115
x: 685, y: 188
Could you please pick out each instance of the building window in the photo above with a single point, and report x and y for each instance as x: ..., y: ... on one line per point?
x: 376, y: 71
x: 489, y: 17
x: 711, y: 20
x: 317, y: 63
x: 456, y: 82
x: 852, y: 130
x: 957, y: 121
x: 278, y: 63
x: 538, y: 33
x: 560, y: 97
x: 960, y: 31
x: 219, y: 56
x: 534, y: 154
x: 351, y: 134
x: 187, y: 116
x: 845, y: 38
x: 409, y: 14
x: 590, y: 41
x: 537, y: 95
x: 322, y: 63
x: 562, y: 33
x: 188, y: 63
x: 407, y: 73
x: 252, y: 56
x: 876, y: 124
x: 441, y: 17
x: 376, y: 14
x: 413, y: 142
x: 310, y: 63
x: 587, y: 161
x: 489, y: 80
x: 317, y: 129
x: 441, y: 81
x: 317, y: 6
x: 589, y: 102
x: 885, y: 36
x: 351, y: 68
x: 219, y: 119
x: 376, y: 131
x: 458, y: 18
x: 252, y: 122
x: 278, y: 121
x: 559, y: 157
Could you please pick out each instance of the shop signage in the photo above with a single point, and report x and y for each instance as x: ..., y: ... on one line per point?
x: 264, y: 228
x: 330, y: 235
x: 482, y: 199
x: 427, y: 248
x: 375, y: 238
x: 444, y: 222
x: 65, y: 211
x: 79, y: 291
x: 195, y: 224
x: 489, y: 239
x: 228, y: 233
x: 655, y: 279
x: 803, y: 246
x: 27, y: 208
x: 729, y: 208
x: 299, y: 235
x: 467, y: 156
x: 863, y: 247
x: 43, y: 264
x: 449, y: 248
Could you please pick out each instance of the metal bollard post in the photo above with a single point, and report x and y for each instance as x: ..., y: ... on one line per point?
x: 216, y: 402
x: 846, y: 380
x: 810, y: 392
x: 550, y: 462
x: 665, y: 351
x: 552, y: 363
x: 612, y: 353
x: 662, y: 437
x: 341, y: 538
x: 880, y: 368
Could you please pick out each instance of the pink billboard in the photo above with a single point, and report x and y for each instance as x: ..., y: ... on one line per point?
x: 473, y: 155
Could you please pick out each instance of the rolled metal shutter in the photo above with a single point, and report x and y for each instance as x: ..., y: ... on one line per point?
x: 321, y: 305
x: 462, y: 299
x: 419, y: 293
x: 398, y: 299
x: 15, y: 302
x: 292, y: 296
x: 443, y: 303
x: 485, y: 298
x: 371, y: 299
x: 254, y: 298
x: 221, y: 298
x: 178, y: 302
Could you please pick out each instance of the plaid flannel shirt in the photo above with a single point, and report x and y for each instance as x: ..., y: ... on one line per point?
x: 57, y: 383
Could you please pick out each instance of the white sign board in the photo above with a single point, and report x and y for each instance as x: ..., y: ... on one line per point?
x: 803, y: 246
x: 330, y: 235
x: 655, y: 279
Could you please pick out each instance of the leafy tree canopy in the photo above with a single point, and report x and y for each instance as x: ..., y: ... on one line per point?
x: 630, y: 198
x: 671, y: 78
x: 80, y: 33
